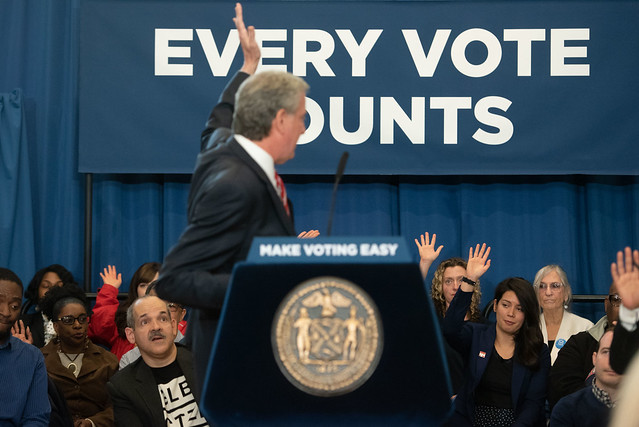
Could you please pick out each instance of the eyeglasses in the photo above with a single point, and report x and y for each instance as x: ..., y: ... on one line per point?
x: 614, y: 299
x: 70, y: 320
x: 174, y: 307
x: 554, y: 285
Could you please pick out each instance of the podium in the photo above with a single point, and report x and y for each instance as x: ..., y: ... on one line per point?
x: 329, y: 308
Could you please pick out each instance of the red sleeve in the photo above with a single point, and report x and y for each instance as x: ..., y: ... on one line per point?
x: 102, y: 326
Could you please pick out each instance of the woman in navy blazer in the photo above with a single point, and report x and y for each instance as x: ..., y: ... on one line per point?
x: 507, y: 363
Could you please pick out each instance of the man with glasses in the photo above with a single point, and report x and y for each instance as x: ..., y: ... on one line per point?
x: 573, y: 368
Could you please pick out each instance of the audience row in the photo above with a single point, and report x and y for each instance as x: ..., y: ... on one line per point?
x: 125, y: 363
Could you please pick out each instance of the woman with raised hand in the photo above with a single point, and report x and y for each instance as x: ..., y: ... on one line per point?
x: 109, y: 315
x: 556, y: 321
x: 79, y: 368
x: 507, y: 361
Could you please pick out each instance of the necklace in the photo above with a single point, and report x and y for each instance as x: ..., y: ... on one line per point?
x: 72, y: 366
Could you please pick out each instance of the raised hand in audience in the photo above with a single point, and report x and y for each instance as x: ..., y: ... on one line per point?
x: 478, y: 262
x: 111, y: 277
x: 427, y: 252
x: 21, y: 332
x: 625, y: 275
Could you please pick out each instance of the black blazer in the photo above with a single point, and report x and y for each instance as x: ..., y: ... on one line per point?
x: 135, y: 396
x: 231, y: 201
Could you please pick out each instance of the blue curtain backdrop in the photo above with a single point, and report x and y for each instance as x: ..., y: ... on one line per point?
x: 576, y: 221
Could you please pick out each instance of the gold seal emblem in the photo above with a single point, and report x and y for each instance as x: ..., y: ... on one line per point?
x: 327, y: 336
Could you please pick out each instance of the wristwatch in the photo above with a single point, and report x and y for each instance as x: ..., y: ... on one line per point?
x: 467, y: 280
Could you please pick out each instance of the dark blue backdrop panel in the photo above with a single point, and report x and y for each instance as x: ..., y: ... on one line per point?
x: 438, y: 88
x: 578, y: 221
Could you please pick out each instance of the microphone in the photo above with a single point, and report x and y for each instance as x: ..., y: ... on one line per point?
x: 338, y: 176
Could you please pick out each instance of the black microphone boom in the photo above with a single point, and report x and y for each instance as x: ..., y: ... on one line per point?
x: 338, y: 176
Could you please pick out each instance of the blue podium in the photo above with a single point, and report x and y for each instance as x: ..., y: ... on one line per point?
x: 327, y: 332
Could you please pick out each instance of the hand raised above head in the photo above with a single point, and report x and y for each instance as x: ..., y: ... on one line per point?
x: 111, y: 277
x: 625, y: 275
x: 426, y: 247
x: 478, y: 262
x: 250, y: 48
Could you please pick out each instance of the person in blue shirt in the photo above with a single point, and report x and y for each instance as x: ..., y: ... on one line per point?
x: 23, y: 396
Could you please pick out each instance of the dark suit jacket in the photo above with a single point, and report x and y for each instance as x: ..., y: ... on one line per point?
x: 86, y: 395
x: 624, y: 346
x: 231, y: 201
x: 473, y: 339
x: 135, y: 395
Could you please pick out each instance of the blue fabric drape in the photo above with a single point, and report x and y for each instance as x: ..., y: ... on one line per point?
x: 576, y: 221
x: 16, y: 215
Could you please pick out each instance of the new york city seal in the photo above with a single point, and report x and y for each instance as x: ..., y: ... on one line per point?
x: 327, y: 336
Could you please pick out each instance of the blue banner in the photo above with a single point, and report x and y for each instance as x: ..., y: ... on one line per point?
x: 408, y: 88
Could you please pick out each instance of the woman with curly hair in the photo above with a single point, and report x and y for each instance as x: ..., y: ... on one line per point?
x: 447, y: 279
x: 109, y: 315
x: 79, y: 368
x: 33, y: 324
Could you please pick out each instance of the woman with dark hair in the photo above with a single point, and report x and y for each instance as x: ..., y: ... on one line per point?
x: 79, y: 368
x: 507, y: 362
x: 33, y: 323
x: 109, y: 315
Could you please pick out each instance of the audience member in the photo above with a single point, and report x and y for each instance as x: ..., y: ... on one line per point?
x: 177, y: 312
x: 23, y: 376
x: 574, y: 363
x: 157, y: 389
x: 446, y: 282
x: 34, y: 325
x: 555, y: 295
x: 79, y: 368
x: 108, y: 322
x: 591, y: 406
x: 507, y: 362
x: 625, y: 274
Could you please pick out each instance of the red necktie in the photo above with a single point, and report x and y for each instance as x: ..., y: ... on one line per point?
x: 282, y: 192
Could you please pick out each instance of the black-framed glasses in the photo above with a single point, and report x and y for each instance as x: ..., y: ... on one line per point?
x: 70, y: 320
x: 614, y: 299
x: 554, y: 285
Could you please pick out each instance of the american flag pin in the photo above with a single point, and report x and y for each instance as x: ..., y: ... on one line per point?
x: 482, y: 354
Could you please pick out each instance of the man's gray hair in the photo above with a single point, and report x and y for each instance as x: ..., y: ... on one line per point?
x: 259, y: 99
x: 130, y: 316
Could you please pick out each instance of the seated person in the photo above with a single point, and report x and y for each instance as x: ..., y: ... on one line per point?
x: 574, y: 362
x: 507, y: 362
x: 23, y: 376
x: 557, y: 323
x: 177, y: 312
x: 36, y: 328
x: 78, y: 367
x: 446, y: 282
x: 591, y: 406
x: 108, y: 321
x: 625, y: 344
x: 139, y: 391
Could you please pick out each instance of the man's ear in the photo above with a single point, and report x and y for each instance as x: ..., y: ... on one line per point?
x: 278, y: 121
x: 594, y: 358
x: 129, y: 335
x: 495, y: 306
